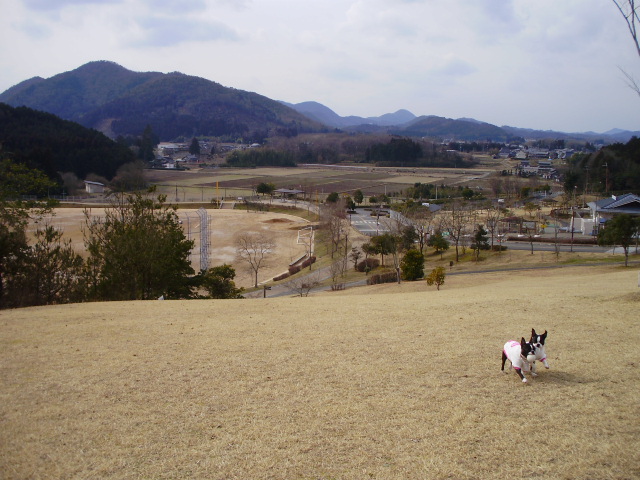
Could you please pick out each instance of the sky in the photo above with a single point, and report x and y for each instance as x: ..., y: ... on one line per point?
x: 541, y: 64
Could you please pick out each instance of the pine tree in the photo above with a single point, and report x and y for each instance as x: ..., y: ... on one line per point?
x: 138, y: 251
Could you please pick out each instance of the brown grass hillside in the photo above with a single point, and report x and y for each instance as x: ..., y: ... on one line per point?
x: 388, y: 382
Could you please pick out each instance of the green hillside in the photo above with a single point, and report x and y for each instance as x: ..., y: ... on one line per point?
x: 43, y: 141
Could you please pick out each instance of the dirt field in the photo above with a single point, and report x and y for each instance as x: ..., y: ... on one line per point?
x: 319, y: 180
x: 388, y: 382
x: 224, y: 228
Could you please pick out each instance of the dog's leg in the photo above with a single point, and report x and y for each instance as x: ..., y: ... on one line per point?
x: 504, y: 359
x: 519, y: 372
x: 545, y: 363
x: 533, y: 370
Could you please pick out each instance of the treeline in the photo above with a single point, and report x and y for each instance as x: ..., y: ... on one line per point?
x: 379, y: 150
x: 613, y: 169
x: 260, y: 157
x: 52, y: 145
x: 404, y: 152
x: 426, y: 191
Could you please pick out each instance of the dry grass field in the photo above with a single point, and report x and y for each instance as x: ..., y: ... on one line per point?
x: 387, y: 382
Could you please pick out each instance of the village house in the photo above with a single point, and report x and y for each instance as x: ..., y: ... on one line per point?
x: 605, y: 209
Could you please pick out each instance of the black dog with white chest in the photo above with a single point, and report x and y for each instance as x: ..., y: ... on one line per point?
x: 538, y: 343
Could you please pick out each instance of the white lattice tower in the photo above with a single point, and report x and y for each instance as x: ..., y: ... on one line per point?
x: 205, y: 240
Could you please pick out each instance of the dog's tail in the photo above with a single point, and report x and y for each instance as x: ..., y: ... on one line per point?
x: 504, y: 359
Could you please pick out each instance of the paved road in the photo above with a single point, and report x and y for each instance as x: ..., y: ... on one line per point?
x: 563, y: 247
x: 368, y: 225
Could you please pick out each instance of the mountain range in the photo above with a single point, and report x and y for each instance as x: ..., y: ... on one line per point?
x: 403, y: 122
x: 107, y: 97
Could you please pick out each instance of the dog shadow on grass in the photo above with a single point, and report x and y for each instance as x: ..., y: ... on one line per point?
x: 561, y: 378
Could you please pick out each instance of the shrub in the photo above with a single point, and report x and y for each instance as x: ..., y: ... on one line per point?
x: 368, y: 262
x: 412, y: 265
x: 388, y: 277
x: 436, y: 277
x: 281, y: 277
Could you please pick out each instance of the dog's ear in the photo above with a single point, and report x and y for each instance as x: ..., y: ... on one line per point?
x: 543, y: 337
x: 533, y: 332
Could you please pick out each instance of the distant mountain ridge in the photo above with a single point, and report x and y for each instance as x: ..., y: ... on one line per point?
x: 403, y: 122
x: 107, y: 97
x: 328, y: 117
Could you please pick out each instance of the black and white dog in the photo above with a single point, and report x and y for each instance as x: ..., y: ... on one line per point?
x: 522, y: 357
x: 538, y: 343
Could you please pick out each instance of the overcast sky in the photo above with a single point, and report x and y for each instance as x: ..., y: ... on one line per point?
x: 543, y: 64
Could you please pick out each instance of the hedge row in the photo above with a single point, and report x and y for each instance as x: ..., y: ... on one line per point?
x: 388, y: 277
x: 295, y: 269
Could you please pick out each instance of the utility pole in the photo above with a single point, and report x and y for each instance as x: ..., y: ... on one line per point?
x: 586, y: 186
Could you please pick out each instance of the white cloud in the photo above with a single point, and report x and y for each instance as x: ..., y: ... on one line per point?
x: 541, y: 64
x: 157, y: 31
x: 56, y: 5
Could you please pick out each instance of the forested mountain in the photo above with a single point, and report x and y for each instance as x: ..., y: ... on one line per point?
x: 439, y: 127
x: 117, y: 101
x: 43, y: 141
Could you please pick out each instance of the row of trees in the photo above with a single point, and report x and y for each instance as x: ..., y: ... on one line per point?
x: 260, y: 157
x: 403, y: 244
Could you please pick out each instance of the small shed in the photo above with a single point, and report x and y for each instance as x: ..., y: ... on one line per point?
x: 93, y: 187
x: 288, y: 192
x: 518, y: 225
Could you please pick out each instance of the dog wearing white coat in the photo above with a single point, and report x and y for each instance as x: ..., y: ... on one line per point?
x: 521, y: 356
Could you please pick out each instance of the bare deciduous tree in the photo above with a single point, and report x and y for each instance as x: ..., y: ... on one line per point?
x: 355, y: 256
x: 493, y: 222
x: 630, y: 13
x: 337, y: 272
x: 333, y: 220
x: 422, y: 219
x: 455, y: 221
x: 254, y: 249
x: 495, y: 184
x: 303, y: 285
